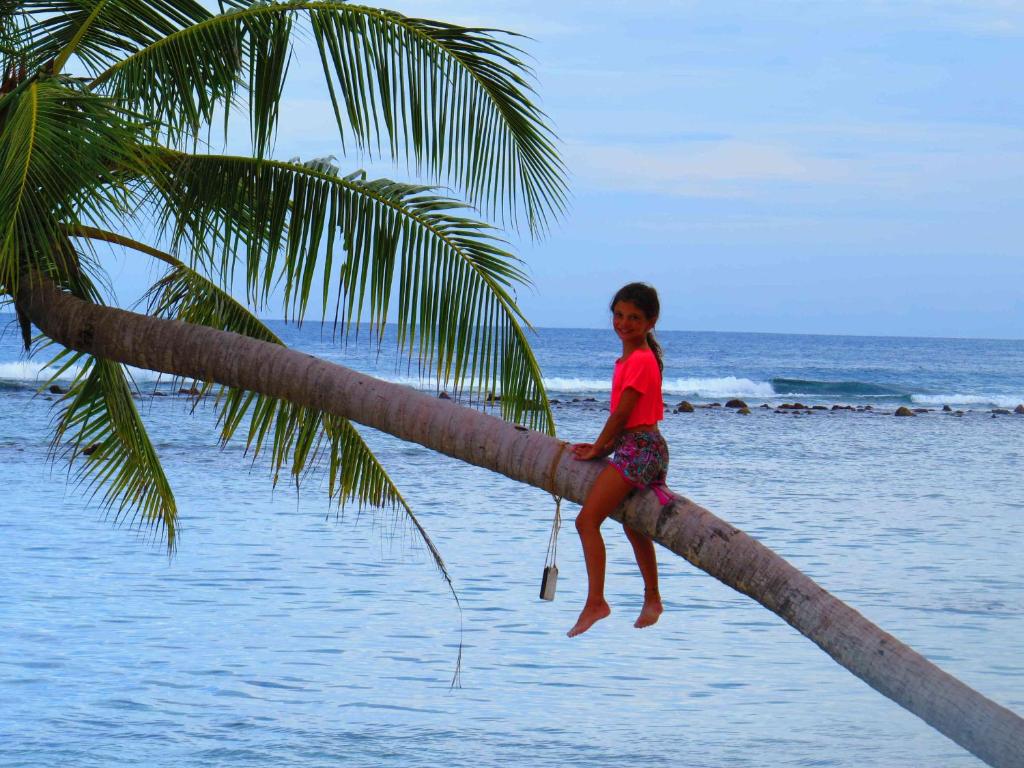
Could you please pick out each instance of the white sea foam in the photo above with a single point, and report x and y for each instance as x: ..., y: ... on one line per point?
x: 727, y: 386
x: 724, y: 387
x: 141, y: 374
x: 37, y: 373
x: 425, y: 383
x: 408, y: 381
x: 30, y: 372
x: 572, y: 384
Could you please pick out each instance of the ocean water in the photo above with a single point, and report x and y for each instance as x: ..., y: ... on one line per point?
x: 284, y: 633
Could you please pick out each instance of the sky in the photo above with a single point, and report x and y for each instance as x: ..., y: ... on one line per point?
x: 794, y: 167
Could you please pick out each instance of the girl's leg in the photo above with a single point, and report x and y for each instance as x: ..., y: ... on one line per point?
x: 607, y: 492
x: 643, y: 548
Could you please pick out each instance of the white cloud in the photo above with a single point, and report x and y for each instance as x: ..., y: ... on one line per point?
x: 995, y: 18
x: 711, y: 169
x: 810, y: 162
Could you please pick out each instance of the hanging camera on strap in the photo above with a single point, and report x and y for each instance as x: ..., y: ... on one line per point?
x: 549, y: 580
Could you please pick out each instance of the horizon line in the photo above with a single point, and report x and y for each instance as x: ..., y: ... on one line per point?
x: 10, y: 316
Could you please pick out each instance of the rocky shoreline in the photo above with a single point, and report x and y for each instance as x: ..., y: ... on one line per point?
x: 736, y: 406
x: 801, y: 409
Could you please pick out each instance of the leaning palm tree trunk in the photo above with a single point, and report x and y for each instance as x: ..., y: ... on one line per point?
x: 988, y: 730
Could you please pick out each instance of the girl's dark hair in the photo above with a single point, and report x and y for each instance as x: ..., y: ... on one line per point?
x: 646, y: 299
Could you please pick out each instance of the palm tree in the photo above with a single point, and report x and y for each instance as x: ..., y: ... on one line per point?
x: 95, y: 158
x: 113, y: 154
x: 980, y: 725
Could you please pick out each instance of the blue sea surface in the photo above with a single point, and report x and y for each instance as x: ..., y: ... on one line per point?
x: 284, y: 633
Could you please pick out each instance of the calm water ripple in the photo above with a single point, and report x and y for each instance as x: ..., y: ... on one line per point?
x: 283, y: 634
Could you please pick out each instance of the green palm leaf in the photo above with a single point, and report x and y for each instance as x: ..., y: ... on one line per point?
x: 106, y: 433
x: 302, y: 438
x: 100, y: 32
x: 187, y: 70
x: 83, y: 157
x: 455, y: 311
x: 449, y: 98
x: 10, y: 32
x: 386, y: 69
x: 46, y: 121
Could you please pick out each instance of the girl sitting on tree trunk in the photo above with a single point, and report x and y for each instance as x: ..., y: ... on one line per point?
x: 639, y: 453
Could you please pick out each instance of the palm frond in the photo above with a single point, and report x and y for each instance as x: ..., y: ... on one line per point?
x: 94, y: 233
x: 10, y: 32
x: 356, y: 473
x: 107, y: 438
x: 85, y: 25
x: 298, y: 437
x: 100, y: 32
x: 47, y: 122
x: 185, y: 294
x: 450, y: 98
x: 304, y: 440
x: 455, y: 311
x: 183, y: 78
x: 269, y: 49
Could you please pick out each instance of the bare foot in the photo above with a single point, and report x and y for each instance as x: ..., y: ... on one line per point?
x: 650, y: 613
x: 590, y: 615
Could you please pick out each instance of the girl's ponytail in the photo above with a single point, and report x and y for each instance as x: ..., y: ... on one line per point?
x: 656, y: 349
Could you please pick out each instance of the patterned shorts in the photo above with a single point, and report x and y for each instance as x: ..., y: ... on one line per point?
x: 641, y: 458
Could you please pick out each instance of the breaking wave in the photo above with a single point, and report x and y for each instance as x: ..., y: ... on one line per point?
x: 809, y: 387
x: 727, y: 386
x: 28, y: 374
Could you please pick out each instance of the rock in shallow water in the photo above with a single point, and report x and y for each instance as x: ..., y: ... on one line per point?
x: 904, y: 411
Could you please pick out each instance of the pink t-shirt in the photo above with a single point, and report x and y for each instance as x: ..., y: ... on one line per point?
x: 639, y: 371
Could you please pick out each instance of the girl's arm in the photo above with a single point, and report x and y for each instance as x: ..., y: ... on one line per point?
x: 612, y: 429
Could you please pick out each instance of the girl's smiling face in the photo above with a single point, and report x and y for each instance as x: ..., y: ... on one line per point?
x: 630, y: 322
